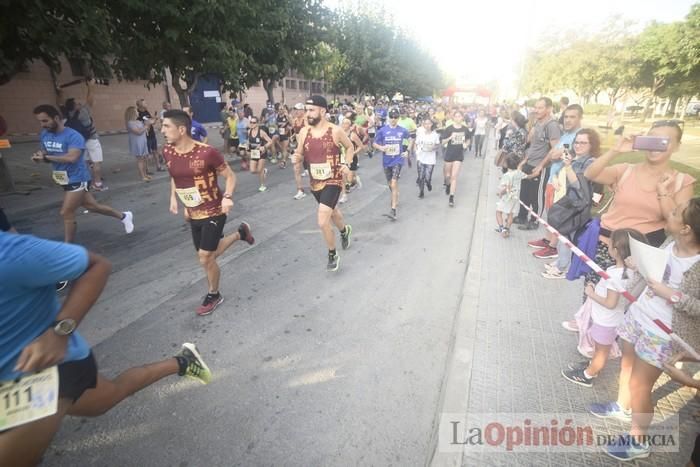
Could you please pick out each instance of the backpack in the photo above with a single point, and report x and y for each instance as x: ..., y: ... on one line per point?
x: 74, y: 122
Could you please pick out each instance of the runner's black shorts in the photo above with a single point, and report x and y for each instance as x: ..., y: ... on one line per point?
x: 76, y: 377
x: 353, y: 165
x: 393, y: 172
x: 454, y: 156
x: 207, y: 232
x: 328, y: 195
x: 77, y: 186
x: 233, y: 142
x: 4, y: 222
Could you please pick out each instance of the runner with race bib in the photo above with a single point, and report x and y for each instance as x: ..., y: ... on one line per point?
x: 195, y: 168
x: 319, y: 148
x: 64, y: 149
x: 47, y: 369
x: 391, y: 140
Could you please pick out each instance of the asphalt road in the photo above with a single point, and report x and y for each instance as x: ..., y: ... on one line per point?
x: 310, y: 368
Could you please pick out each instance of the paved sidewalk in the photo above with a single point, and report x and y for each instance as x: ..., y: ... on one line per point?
x: 518, y: 349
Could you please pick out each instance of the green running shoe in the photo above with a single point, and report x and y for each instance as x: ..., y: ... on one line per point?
x: 196, y: 368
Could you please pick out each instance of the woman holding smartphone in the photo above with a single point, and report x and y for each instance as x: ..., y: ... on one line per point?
x: 645, y: 194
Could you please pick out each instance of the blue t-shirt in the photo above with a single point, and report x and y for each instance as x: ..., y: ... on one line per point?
x: 393, y: 137
x: 242, y: 131
x: 29, y: 270
x: 198, y: 132
x: 565, y: 138
x: 58, y: 144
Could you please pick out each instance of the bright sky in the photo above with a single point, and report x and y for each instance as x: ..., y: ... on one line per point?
x: 484, y: 40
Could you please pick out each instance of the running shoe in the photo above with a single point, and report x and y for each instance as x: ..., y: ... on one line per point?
x: 546, y: 253
x: 610, y: 410
x: 392, y: 214
x: 211, y: 301
x: 345, y: 236
x: 262, y: 188
x: 506, y: 232
x: 343, y: 198
x: 128, y: 221
x: 570, y: 325
x: 273, y: 160
x: 499, y: 229
x: 300, y: 195
x: 627, y: 449
x: 452, y: 201
x: 333, y: 262
x: 578, y: 376
x: 100, y: 187
x: 421, y: 194
x: 551, y: 274
x: 541, y: 243
x: 192, y: 365
x: 244, y: 232
x: 61, y: 285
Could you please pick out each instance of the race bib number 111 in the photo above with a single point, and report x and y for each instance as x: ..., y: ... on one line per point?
x: 29, y: 398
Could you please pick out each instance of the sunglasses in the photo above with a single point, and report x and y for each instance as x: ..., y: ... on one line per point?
x: 253, y: 122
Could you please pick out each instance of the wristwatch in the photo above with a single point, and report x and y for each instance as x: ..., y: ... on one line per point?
x: 676, y: 297
x: 228, y: 196
x: 64, y: 327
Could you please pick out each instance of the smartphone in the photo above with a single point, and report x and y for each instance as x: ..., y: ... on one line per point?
x: 620, y: 130
x: 651, y: 143
x: 566, y: 154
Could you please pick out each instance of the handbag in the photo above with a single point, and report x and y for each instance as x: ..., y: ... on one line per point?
x: 573, y: 211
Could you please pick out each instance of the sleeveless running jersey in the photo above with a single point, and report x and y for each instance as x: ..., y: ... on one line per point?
x: 324, y: 160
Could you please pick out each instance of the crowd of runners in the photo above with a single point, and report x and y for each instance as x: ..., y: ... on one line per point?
x: 48, y: 370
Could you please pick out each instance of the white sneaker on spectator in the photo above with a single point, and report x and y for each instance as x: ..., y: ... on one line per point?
x: 570, y: 325
x: 300, y: 195
x: 554, y: 274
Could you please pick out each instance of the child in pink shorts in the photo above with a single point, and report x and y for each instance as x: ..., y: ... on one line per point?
x: 607, y: 310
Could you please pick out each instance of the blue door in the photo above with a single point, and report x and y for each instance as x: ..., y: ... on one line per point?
x: 204, y: 99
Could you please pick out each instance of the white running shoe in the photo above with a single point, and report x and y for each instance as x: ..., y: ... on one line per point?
x: 300, y: 195
x: 343, y: 198
x: 262, y: 188
x: 128, y: 221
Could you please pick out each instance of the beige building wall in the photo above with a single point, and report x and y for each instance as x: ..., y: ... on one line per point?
x: 28, y: 89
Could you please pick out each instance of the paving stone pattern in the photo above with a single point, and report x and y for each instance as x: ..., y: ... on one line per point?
x: 521, y: 348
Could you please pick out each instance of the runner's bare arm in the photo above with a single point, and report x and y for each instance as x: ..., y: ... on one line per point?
x: 267, y: 138
x: 70, y: 157
x: 356, y: 139
x: 299, y: 151
x: 230, y: 175
x: 49, y: 348
x: 173, y: 198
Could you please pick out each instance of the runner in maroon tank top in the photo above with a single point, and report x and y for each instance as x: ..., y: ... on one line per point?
x: 319, y: 147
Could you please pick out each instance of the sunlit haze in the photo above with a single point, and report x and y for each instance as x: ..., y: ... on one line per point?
x: 479, y: 42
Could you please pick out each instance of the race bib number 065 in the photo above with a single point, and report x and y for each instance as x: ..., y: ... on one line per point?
x: 190, y: 197
x: 29, y: 398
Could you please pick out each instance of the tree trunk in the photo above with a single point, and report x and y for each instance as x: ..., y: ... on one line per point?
x: 269, y: 89
x: 182, y: 94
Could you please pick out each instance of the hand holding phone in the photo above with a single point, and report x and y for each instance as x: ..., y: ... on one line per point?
x: 651, y: 143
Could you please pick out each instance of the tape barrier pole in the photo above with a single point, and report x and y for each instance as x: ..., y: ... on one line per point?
x: 598, y: 270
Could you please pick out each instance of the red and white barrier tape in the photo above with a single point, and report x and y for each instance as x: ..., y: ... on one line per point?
x: 598, y: 270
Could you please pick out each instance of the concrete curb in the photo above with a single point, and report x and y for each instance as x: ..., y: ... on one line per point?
x: 454, y: 397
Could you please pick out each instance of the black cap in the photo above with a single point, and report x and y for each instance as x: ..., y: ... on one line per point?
x: 393, y: 113
x: 318, y: 101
